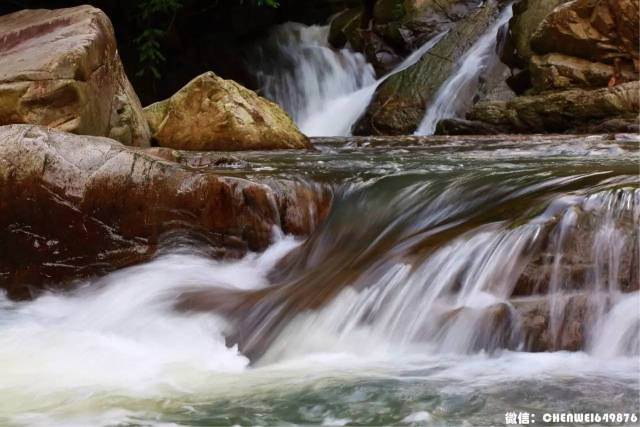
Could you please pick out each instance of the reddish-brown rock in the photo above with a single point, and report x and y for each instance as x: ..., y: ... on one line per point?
x: 73, y: 206
x: 60, y: 68
x: 597, y: 30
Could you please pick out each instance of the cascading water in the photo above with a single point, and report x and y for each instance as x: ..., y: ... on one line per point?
x: 302, y: 73
x: 437, y: 291
x: 456, y: 94
x: 325, y: 90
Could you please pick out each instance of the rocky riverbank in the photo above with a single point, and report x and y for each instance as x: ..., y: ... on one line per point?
x: 568, y: 66
x: 575, y: 67
x: 77, y: 206
x: 78, y: 202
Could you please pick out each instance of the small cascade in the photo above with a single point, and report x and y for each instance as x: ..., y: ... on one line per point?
x: 325, y: 90
x: 619, y: 330
x: 449, y: 275
x: 300, y: 71
x: 532, y: 263
x: 456, y: 95
x: 477, y: 292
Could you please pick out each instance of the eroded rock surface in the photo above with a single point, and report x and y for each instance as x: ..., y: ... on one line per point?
x: 394, y: 28
x: 570, y: 110
x: 75, y: 206
x: 575, y: 65
x: 211, y: 113
x: 60, y: 68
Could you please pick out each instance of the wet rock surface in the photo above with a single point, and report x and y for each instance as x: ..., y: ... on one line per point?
x: 400, y: 102
x: 61, y: 68
x: 75, y: 206
x: 392, y: 29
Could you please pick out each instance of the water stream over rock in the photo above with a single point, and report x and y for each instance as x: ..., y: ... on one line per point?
x: 456, y: 95
x: 323, y: 89
x: 440, y: 289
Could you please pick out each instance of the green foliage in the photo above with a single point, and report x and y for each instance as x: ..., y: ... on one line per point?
x: 162, y: 13
x: 149, y: 53
x: 149, y: 8
x: 148, y: 44
x: 270, y: 3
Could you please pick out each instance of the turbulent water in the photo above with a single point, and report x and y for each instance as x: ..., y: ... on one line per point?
x: 325, y: 90
x: 405, y: 307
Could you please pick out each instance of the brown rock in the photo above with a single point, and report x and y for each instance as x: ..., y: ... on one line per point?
x: 211, y: 113
x: 554, y: 322
x: 560, y: 111
x: 626, y: 17
x: 399, y: 103
x: 465, y: 127
x: 397, y: 27
x: 60, y: 68
x: 527, y: 16
x: 75, y: 206
x: 558, y: 71
x: 590, y: 29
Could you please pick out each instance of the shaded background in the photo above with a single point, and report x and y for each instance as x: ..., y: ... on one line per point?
x: 165, y: 43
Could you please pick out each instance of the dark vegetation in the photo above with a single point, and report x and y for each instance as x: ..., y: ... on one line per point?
x: 165, y: 43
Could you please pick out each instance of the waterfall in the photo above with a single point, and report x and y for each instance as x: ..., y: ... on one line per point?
x: 456, y: 94
x: 460, y: 298
x: 450, y: 276
x: 298, y: 69
x: 325, y: 90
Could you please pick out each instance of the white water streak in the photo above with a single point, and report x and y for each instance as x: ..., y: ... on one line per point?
x: 451, y: 97
x: 324, y: 89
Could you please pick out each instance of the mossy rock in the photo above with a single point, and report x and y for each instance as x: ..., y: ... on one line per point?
x: 211, y: 113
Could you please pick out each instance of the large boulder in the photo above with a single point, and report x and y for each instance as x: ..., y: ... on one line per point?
x: 399, y: 103
x: 597, y: 30
x: 558, y: 44
x: 74, y: 206
x: 211, y: 113
x: 527, y: 16
x: 556, y: 71
x: 569, y: 110
x: 60, y: 68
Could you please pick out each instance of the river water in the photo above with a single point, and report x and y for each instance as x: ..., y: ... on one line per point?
x: 405, y: 307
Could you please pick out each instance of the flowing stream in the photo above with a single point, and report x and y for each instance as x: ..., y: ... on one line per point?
x: 444, y: 288
x: 455, y: 95
x: 323, y: 89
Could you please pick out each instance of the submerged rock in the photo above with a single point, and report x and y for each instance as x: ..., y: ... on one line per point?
x: 75, y: 206
x: 554, y: 322
x: 61, y: 68
x: 211, y: 113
